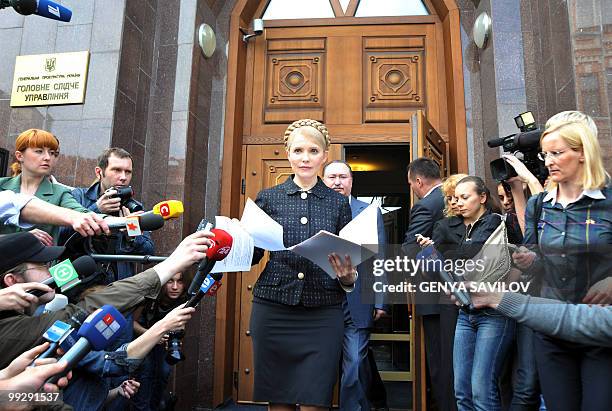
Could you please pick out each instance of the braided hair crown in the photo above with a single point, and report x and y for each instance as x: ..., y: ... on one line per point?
x: 320, y: 127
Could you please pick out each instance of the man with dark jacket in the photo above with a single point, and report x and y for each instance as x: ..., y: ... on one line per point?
x: 114, y: 170
x: 357, y: 375
x: 438, y: 319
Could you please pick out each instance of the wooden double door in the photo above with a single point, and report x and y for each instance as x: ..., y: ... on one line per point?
x: 369, y: 84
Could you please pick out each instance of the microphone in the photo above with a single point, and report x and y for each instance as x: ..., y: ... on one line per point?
x: 146, y: 222
x: 99, y: 330
x: 66, y: 275
x: 43, y: 8
x: 429, y: 253
x: 217, y: 252
x: 61, y: 331
x: 167, y: 209
x: 59, y: 302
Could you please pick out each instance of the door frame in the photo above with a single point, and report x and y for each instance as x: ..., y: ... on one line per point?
x: 226, y: 327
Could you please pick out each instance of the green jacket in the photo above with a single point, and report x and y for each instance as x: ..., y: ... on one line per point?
x: 48, y: 192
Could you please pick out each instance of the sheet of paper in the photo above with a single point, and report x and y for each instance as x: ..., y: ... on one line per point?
x: 241, y: 254
x: 266, y: 233
x: 319, y: 246
x: 363, y: 229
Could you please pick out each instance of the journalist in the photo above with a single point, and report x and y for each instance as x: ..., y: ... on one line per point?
x: 568, y: 227
x: 25, y: 259
x: 154, y: 372
x: 34, y: 151
x: 114, y: 171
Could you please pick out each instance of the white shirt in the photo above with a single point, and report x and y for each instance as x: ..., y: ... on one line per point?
x: 594, y: 194
x: 432, y: 189
x: 11, y: 204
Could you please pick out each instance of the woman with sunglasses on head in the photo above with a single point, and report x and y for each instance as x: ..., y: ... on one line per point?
x: 36, y: 152
x: 571, y: 233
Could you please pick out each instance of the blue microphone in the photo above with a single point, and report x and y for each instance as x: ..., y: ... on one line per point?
x: 43, y: 8
x: 430, y: 254
x: 54, y: 335
x: 99, y: 330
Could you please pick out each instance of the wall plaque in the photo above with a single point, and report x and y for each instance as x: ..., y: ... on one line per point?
x: 50, y: 79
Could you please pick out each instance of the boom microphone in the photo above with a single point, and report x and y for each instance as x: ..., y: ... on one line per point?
x: 98, y: 331
x: 167, y: 209
x: 43, y: 8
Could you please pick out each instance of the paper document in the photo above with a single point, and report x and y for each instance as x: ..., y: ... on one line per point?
x: 363, y: 229
x: 266, y: 233
x: 241, y: 254
x: 318, y: 247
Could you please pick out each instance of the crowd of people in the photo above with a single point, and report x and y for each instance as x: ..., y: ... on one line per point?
x: 548, y: 349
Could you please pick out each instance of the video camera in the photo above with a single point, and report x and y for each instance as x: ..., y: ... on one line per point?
x: 126, y: 194
x: 527, y: 142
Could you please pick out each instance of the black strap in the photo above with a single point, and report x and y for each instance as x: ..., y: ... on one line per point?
x: 538, y: 213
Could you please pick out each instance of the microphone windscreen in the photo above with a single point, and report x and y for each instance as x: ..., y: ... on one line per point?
x: 151, y: 222
x: 223, y: 245
x: 85, y: 266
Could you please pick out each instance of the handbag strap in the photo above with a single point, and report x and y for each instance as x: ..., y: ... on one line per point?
x: 538, y: 213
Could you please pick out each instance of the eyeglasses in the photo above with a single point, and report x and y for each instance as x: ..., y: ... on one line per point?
x: 39, y: 266
x: 554, y: 154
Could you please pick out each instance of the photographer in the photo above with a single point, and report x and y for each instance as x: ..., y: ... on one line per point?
x: 154, y: 372
x: 114, y: 171
x: 22, y: 255
x: 569, y: 229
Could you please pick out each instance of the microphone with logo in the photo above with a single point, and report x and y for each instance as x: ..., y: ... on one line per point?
x: 167, y: 209
x: 43, y: 8
x: 98, y: 331
x: 204, y: 283
x: 66, y: 275
x: 61, y: 331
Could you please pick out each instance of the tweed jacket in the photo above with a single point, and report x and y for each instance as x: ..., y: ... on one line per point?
x: 289, y: 278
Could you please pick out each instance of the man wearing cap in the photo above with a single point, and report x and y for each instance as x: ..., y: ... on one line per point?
x: 23, y: 258
x: 22, y: 211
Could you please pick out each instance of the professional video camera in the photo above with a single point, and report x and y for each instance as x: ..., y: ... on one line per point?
x: 526, y: 144
x: 126, y: 194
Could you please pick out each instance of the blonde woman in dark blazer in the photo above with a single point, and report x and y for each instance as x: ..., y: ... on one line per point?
x: 297, y: 320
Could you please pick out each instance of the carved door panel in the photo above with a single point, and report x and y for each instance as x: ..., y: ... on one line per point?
x: 266, y: 166
x: 364, y: 82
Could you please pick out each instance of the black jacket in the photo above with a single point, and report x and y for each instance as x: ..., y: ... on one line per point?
x: 301, y: 216
x: 423, y: 216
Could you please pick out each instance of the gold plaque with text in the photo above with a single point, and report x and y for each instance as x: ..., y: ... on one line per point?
x: 50, y: 79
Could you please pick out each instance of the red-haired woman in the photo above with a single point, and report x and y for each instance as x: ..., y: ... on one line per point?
x: 35, y: 152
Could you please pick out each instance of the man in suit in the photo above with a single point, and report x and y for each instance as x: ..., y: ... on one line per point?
x: 359, y: 317
x: 438, y: 319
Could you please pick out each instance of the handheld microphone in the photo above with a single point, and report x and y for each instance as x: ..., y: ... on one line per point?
x: 99, y: 330
x: 66, y: 275
x: 61, y: 331
x: 147, y: 222
x: 217, y: 252
x: 43, y: 8
x: 167, y: 209
x: 429, y: 253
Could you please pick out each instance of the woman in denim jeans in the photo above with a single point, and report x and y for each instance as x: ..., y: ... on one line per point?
x: 483, y: 338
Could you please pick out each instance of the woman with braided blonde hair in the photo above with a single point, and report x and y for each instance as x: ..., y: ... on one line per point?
x: 297, y: 321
